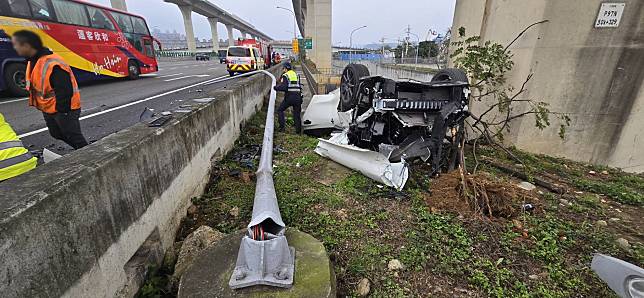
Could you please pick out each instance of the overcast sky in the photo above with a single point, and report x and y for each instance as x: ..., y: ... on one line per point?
x: 383, y: 18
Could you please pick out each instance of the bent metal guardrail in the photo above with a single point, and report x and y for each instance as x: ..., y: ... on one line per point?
x: 264, y: 256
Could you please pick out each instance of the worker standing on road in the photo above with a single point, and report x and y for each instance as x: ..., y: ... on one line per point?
x: 290, y: 84
x: 15, y: 159
x: 52, y: 88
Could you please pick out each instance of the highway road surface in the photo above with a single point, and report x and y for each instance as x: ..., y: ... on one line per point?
x: 112, y: 105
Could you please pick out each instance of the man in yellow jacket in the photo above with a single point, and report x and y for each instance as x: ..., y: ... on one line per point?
x: 15, y: 159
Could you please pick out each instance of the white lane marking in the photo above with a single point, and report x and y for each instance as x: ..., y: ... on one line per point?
x: 129, y: 104
x: 171, y: 75
x: 185, y: 77
x: 13, y: 100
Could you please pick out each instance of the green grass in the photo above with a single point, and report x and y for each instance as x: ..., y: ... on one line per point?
x: 363, y: 228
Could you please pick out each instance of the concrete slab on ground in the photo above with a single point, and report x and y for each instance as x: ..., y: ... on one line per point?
x: 209, y: 275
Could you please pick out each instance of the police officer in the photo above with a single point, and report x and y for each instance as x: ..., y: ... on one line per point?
x: 52, y: 88
x: 15, y: 159
x: 290, y: 84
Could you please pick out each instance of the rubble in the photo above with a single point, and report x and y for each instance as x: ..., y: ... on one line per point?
x: 394, y: 265
x: 364, y: 287
x: 527, y: 186
x: 623, y: 243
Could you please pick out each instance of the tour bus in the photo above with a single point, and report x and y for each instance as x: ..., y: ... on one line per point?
x: 97, y: 42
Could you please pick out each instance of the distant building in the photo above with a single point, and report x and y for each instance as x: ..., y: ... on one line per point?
x: 177, y: 41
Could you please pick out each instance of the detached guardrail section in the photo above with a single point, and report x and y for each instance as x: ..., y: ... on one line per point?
x: 264, y: 257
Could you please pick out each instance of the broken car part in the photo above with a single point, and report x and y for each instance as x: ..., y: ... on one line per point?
x: 625, y: 279
x: 321, y: 116
x: 413, y: 119
x: 371, y: 164
x: 264, y: 257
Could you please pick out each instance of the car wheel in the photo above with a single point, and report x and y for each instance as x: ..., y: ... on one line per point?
x: 15, y: 79
x: 349, y: 85
x: 133, y: 70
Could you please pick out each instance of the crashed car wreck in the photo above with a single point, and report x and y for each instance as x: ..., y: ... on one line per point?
x: 406, y: 120
x: 399, y: 121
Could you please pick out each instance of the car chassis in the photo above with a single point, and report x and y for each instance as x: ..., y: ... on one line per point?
x: 407, y: 120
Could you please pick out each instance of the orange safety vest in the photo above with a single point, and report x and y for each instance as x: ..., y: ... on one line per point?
x: 41, y: 94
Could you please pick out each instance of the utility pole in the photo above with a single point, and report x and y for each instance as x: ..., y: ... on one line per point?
x: 407, y: 40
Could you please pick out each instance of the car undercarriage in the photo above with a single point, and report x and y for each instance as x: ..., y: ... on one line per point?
x: 407, y: 120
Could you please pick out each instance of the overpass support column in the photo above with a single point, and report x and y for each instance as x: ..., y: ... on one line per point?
x: 231, y: 39
x: 186, y: 11
x: 322, y: 40
x: 119, y: 4
x: 309, y: 29
x: 215, y: 35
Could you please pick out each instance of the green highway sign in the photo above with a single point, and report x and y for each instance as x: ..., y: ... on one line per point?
x: 306, y: 43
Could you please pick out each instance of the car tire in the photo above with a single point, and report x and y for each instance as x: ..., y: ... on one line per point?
x: 133, y: 70
x: 15, y: 79
x: 349, y: 85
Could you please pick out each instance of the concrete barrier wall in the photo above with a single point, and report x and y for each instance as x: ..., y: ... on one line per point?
x: 76, y: 227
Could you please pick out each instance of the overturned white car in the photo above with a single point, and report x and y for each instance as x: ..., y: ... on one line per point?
x: 401, y: 120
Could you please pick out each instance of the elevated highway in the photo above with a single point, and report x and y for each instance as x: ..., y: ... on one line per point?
x: 215, y: 15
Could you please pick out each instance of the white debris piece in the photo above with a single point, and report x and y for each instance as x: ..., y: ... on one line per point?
x: 371, y: 164
x: 49, y: 156
x: 322, y: 112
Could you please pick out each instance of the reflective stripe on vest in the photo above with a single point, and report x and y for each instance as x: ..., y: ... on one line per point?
x: 15, y: 160
x: 41, y: 93
x: 293, y: 81
x: 11, y: 144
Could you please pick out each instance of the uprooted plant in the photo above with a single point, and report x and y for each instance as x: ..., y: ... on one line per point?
x: 487, y: 64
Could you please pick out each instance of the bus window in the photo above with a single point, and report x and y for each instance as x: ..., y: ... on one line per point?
x: 19, y: 8
x: 139, y: 26
x: 99, y: 19
x: 41, y: 9
x: 71, y: 12
x: 149, y: 47
x: 123, y: 21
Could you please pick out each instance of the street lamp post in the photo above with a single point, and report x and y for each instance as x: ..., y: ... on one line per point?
x: 294, y: 21
x: 417, y: 47
x: 351, y: 42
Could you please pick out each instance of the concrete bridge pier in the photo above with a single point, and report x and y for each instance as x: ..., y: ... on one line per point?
x: 186, y: 12
x: 119, y: 4
x: 309, y: 28
x: 215, y: 35
x: 231, y: 39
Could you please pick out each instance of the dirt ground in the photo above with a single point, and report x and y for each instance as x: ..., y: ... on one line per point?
x: 515, y: 243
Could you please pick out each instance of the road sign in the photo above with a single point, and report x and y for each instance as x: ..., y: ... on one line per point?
x: 296, y: 46
x: 308, y: 43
